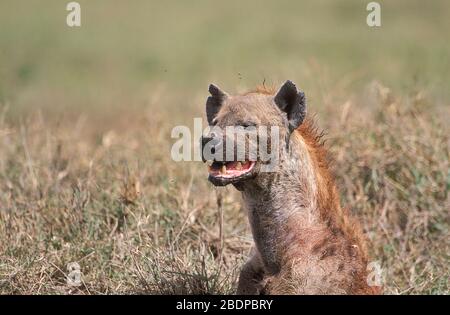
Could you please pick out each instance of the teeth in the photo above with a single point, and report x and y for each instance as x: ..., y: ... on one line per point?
x: 223, y: 170
x: 239, y: 166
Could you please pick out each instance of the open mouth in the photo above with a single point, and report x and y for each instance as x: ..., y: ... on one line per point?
x: 223, y: 173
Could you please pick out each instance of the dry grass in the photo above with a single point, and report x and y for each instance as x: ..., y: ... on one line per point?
x: 111, y: 199
x: 86, y: 115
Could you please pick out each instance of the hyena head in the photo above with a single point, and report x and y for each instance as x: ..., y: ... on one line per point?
x: 249, y: 134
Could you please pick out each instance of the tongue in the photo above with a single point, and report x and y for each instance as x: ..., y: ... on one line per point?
x: 238, y: 166
x: 230, y: 169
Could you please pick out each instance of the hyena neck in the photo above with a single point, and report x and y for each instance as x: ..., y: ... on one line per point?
x: 297, y: 209
x: 285, y: 207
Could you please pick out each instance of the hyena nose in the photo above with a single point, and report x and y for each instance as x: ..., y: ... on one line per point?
x: 210, y: 144
x: 205, y: 140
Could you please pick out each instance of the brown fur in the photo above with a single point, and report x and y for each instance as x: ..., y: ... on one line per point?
x: 330, y: 208
x: 343, y: 235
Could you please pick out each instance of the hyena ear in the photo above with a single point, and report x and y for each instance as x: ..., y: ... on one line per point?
x: 214, y: 102
x: 293, y: 103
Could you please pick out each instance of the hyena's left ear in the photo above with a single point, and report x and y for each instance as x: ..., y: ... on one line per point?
x: 214, y: 102
x: 293, y: 103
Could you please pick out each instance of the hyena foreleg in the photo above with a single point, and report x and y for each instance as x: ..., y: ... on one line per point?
x: 251, y: 278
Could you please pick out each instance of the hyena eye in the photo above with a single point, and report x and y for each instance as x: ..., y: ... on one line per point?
x: 248, y: 124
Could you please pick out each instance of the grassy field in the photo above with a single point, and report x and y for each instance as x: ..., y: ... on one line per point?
x: 86, y: 113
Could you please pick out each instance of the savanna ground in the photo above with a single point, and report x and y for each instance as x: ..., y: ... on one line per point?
x: 86, y: 114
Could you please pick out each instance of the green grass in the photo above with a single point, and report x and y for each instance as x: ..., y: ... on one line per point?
x: 86, y: 114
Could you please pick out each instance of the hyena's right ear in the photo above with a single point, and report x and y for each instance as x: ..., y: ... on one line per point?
x: 214, y: 102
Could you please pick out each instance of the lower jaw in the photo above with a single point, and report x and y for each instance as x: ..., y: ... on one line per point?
x: 218, y: 181
x: 239, y: 185
x: 236, y: 181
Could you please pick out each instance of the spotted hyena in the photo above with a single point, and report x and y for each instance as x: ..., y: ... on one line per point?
x: 305, y: 242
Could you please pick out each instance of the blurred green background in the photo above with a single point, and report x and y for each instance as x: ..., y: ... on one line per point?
x: 126, y: 50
